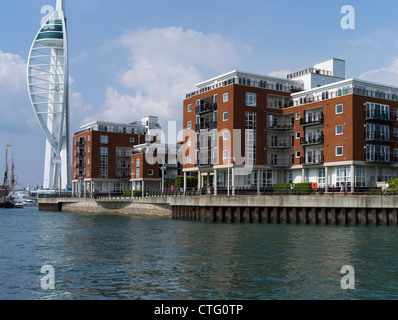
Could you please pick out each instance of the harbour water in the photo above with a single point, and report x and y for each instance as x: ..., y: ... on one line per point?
x: 125, y: 257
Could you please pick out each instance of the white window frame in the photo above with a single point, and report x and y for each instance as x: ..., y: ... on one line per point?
x: 342, y: 130
x: 298, y: 116
x: 225, y: 155
x: 225, y: 135
x: 189, y: 125
x: 223, y: 116
x: 251, y: 99
x: 189, y: 108
x: 150, y: 172
x: 298, y: 135
x: 189, y: 142
x: 298, y: 154
x: 104, y: 139
x: 342, y: 151
x: 132, y: 139
x: 342, y: 108
x: 225, y: 97
x: 189, y: 159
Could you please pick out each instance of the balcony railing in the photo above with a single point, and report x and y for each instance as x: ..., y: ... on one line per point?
x: 80, y: 166
x: 380, y: 157
x: 280, y: 125
x: 123, y: 177
x: 207, y: 107
x: 309, y: 160
x: 206, y: 125
x: 278, y: 105
x: 123, y: 154
x: 81, y: 143
x: 81, y: 154
x: 312, y: 120
x: 377, y: 136
x: 121, y: 166
x: 379, y: 116
x: 280, y: 162
x: 312, y: 140
x: 280, y: 144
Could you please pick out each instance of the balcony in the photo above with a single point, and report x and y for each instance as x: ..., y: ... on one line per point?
x: 279, y: 105
x: 312, y: 140
x: 281, y: 126
x: 123, y: 177
x: 81, y: 143
x: 81, y: 154
x: 205, y: 108
x: 375, y: 115
x: 80, y: 166
x: 280, y: 162
x: 380, y: 137
x: 123, y: 154
x: 380, y: 157
x: 206, y: 125
x: 312, y: 120
x: 280, y: 145
x: 310, y: 160
x: 121, y: 166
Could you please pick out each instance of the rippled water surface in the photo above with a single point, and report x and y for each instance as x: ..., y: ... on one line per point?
x: 122, y: 257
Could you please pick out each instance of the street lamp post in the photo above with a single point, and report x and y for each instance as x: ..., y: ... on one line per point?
x: 163, y: 168
x: 229, y: 162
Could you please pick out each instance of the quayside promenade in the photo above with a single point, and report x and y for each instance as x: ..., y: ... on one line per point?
x: 325, y: 209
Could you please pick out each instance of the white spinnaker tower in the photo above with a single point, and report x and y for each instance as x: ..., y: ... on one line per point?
x: 48, y: 89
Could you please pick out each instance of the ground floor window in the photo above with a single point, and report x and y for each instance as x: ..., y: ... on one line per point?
x: 360, y: 176
x: 251, y: 179
x: 321, y: 176
x: 343, y: 175
x: 269, y: 178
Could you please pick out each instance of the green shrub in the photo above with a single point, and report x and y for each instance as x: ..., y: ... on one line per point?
x: 127, y: 193
x: 282, y: 188
x: 137, y: 193
x: 303, y: 188
x: 192, y: 182
x: 393, y: 185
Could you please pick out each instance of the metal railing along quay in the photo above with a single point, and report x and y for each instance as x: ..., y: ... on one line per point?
x: 323, y: 190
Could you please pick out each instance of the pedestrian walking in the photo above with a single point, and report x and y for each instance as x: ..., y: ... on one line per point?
x: 292, y: 189
x: 342, y: 188
x: 386, y: 188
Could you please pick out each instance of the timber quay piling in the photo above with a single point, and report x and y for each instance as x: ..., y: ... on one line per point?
x: 316, y: 210
x: 277, y: 209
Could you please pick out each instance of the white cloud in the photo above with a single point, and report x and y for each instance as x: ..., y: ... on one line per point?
x: 12, y: 72
x: 386, y: 75
x: 280, y: 73
x: 163, y: 65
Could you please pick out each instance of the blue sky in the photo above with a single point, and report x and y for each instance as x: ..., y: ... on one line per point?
x: 129, y: 59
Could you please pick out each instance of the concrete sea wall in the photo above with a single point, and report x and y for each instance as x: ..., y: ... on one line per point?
x: 116, y: 206
x: 318, y: 210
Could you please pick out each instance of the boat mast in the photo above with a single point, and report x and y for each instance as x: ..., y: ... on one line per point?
x: 6, y: 178
x: 12, y: 171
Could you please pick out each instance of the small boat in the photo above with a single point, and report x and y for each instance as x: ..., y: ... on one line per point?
x: 30, y: 203
x: 6, y: 205
x: 18, y: 205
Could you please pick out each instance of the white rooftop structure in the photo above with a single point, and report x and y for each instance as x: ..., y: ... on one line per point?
x: 323, y: 73
x: 248, y: 79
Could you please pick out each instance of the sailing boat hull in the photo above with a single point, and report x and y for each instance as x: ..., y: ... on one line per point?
x: 6, y: 205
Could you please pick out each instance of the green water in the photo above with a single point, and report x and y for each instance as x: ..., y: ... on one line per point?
x: 120, y: 257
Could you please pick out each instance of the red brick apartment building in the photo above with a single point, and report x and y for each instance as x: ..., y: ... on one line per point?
x: 313, y: 126
x: 103, y: 155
